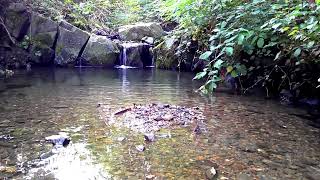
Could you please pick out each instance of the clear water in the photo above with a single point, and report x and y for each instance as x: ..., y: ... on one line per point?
x: 244, y: 135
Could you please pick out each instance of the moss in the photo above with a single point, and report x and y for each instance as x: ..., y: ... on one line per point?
x: 42, y: 40
x: 59, y: 49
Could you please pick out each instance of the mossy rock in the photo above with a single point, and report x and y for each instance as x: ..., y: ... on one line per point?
x: 70, y: 42
x: 100, y: 51
x: 165, y: 54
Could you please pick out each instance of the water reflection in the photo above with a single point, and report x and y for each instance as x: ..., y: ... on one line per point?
x: 245, y: 135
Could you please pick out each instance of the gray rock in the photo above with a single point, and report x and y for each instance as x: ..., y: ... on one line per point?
x: 166, y: 57
x: 211, y: 173
x: 101, y: 51
x: 137, y: 54
x: 42, y: 33
x: 17, y: 20
x: 149, y: 137
x: 42, y: 30
x: 59, y: 140
x: 69, y: 43
x: 149, y: 40
x: 140, y: 30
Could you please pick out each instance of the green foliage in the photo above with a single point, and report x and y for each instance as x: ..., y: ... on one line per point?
x: 101, y: 14
x: 254, y: 30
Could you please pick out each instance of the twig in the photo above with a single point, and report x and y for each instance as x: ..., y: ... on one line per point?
x: 260, y: 80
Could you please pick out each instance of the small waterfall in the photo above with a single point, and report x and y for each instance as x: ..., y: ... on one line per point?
x: 133, y: 55
x: 124, y: 56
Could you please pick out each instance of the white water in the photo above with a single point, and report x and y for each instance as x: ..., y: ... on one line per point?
x: 124, y: 55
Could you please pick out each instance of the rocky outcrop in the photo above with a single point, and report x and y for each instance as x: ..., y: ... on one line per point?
x: 29, y: 38
x: 42, y: 34
x: 71, y: 41
x: 17, y: 20
x: 178, y: 54
x: 100, y: 51
x: 140, y: 30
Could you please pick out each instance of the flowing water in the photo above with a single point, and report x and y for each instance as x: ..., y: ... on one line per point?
x: 245, y: 138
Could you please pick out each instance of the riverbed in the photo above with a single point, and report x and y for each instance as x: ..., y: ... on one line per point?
x: 243, y: 138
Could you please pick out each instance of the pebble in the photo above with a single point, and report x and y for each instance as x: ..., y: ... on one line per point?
x: 140, y: 148
x: 211, y: 173
x: 149, y: 137
x: 120, y: 139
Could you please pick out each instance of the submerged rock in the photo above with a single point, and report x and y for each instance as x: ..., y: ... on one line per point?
x: 211, y: 173
x: 69, y: 43
x: 149, y: 137
x: 140, y: 30
x: 100, y: 51
x: 59, y: 140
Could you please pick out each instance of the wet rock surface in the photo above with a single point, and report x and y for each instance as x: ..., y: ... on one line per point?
x: 152, y: 117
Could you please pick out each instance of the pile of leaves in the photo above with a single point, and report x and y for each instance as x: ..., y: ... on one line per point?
x: 152, y: 117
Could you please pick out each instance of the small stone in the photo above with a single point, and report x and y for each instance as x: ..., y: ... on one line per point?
x: 61, y: 139
x: 150, y: 176
x: 120, y: 139
x: 149, y: 137
x: 140, y: 148
x: 211, y: 173
x: 167, y: 117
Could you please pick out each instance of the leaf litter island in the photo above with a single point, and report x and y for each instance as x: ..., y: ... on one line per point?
x: 150, y: 118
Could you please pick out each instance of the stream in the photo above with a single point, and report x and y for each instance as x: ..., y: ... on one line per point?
x: 245, y: 137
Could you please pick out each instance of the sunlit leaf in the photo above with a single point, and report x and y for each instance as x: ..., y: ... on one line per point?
x: 218, y: 64
x: 200, y: 75
x: 234, y: 74
x: 297, y: 52
x: 206, y: 55
x: 229, y: 69
x: 240, y: 39
x: 260, y: 42
x: 229, y: 51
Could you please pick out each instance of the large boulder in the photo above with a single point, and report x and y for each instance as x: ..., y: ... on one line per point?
x: 165, y: 53
x: 17, y: 20
x: 100, y: 51
x: 42, y: 34
x: 140, y: 30
x: 136, y: 55
x: 70, y: 42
